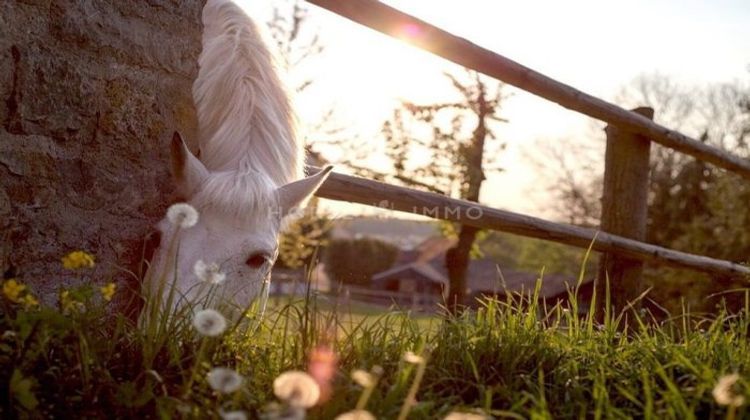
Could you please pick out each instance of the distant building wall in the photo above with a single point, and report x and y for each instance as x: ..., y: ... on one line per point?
x: 90, y: 92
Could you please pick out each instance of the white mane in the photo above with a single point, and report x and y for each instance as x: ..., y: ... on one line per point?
x: 247, y: 198
x: 245, y: 118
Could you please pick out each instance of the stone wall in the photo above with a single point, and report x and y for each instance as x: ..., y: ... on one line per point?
x: 90, y: 92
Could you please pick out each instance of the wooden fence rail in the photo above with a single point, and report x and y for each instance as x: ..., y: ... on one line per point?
x: 378, y: 194
x: 626, y: 173
x: 383, y: 18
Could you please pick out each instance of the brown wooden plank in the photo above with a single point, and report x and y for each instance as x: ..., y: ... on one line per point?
x: 364, y: 191
x: 624, y: 213
x: 390, y: 21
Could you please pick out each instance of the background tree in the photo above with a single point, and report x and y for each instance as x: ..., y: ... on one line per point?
x: 445, y: 148
x: 298, y: 45
x: 693, y: 206
x: 355, y: 261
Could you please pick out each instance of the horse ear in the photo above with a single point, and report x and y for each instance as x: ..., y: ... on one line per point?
x: 294, y: 194
x: 187, y: 170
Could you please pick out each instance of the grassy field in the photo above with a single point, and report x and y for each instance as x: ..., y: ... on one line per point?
x: 500, y: 360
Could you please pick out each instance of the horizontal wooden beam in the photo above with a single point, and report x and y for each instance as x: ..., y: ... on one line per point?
x: 383, y: 18
x: 372, y: 193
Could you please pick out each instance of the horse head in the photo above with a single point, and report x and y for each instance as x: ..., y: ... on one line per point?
x: 246, y: 182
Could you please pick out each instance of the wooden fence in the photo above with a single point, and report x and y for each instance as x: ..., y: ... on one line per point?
x: 624, y: 202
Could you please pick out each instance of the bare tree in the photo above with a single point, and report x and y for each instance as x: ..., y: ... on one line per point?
x: 299, y: 43
x: 690, y: 202
x: 296, y: 41
x: 712, y: 114
x: 443, y: 148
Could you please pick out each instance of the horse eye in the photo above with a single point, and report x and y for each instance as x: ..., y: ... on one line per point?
x: 257, y: 260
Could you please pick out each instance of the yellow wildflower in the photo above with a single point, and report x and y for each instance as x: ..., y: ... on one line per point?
x: 29, y: 301
x: 12, y: 290
x: 78, y: 259
x: 68, y: 302
x: 108, y: 291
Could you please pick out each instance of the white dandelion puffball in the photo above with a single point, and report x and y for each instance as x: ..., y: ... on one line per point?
x: 182, y: 215
x: 208, y: 273
x: 412, y: 358
x: 224, y: 380
x: 356, y: 415
x: 297, y: 389
x: 464, y: 416
x: 363, y: 378
x: 377, y: 370
x: 724, y: 393
x: 209, y: 322
x: 232, y: 415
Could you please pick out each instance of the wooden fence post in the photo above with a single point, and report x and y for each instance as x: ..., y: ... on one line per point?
x: 624, y: 212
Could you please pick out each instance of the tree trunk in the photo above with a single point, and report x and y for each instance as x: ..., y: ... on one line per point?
x: 457, y: 258
x: 457, y: 262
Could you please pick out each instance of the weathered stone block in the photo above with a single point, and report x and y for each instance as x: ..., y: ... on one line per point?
x: 90, y: 93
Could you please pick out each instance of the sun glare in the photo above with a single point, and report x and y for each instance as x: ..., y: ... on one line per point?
x: 410, y: 31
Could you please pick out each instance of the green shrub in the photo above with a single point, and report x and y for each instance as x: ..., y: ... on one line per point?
x: 355, y: 261
x: 303, y: 239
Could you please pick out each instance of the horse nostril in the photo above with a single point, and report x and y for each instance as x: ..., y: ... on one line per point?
x: 257, y: 260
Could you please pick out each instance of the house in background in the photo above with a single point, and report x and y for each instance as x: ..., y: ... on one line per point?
x: 414, y: 274
x: 415, y: 284
x: 402, y: 233
x: 420, y: 278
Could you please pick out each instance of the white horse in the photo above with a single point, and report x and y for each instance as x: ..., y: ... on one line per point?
x: 249, y: 175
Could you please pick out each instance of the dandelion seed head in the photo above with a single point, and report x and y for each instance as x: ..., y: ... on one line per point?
x: 296, y: 388
x: 209, y: 322
x: 208, y: 273
x: 182, y: 215
x: 356, y: 415
x: 363, y: 378
x: 224, y: 380
x: 724, y: 392
x: 410, y: 357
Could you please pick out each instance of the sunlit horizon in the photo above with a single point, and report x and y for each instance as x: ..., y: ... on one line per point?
x: 597, y: 47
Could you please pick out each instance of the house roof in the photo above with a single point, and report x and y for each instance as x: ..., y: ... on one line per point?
x: 427, y: 261
x: 484, y: 275
x: 420, y: 270
x: 434, y: 247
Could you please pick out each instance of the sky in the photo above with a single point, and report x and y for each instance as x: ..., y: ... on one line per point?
x: 595, y: 46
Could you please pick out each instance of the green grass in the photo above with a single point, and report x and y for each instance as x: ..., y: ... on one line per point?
x: 502, y: 359
x: 349, y: 313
